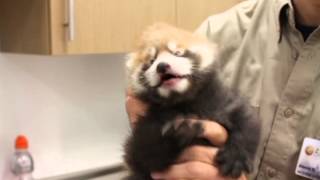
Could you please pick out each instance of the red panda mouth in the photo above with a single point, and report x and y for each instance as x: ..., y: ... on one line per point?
x: 170, y: 79
x: 166, y: 77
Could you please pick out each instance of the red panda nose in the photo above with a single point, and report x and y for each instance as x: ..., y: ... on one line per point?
x: 163, y: 67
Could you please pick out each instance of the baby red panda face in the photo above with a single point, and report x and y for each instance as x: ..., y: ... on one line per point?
x: 168, y: 70
x: 169, y: 62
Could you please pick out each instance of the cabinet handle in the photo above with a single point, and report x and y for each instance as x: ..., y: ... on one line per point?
x: 70, y: 20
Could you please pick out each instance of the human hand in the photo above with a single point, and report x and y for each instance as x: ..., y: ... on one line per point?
x: 197, y: 162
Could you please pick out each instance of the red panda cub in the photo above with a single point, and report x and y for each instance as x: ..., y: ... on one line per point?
x: 176, y: 73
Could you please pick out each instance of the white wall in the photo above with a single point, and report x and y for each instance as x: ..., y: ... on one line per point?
x: 70, y: 107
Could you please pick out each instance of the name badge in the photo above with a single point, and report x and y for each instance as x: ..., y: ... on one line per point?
x: 309, y: 159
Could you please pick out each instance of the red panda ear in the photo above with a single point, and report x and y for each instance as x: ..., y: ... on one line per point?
x: 207, y: 52
x: 130, y: 60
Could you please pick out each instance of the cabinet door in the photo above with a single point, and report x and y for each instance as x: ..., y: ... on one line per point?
x: 24, y: 26
x: 190, y: 13
x: 103, y: 26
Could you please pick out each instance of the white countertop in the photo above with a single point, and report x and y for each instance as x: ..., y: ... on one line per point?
x: 79, y: 159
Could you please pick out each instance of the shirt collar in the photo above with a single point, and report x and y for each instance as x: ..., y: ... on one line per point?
x: 284, y: 15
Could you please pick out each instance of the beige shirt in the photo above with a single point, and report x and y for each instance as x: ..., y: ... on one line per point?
x: 281, y: 79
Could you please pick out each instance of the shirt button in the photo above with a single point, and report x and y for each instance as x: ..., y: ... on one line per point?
x: 288, y: 112
x: 271, y: 172
x: 295, y: 55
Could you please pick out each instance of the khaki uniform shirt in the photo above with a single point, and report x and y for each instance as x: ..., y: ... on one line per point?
x: 268, y: 60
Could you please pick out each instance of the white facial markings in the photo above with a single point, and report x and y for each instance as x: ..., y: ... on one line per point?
x: 208, y: 54
x: 182, y: 86
x: 151, y: 75
x: 133, y: 74
x: 130, y: 60
x: 178, y: 65
x: 134, y: 80
x: 164, y: 92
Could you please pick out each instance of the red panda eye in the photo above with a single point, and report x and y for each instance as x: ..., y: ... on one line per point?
x: 145, y: 67
x: 179, y: 52
x: 150, y: 63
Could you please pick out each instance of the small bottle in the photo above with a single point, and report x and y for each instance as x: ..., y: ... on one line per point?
x: 22, y: 162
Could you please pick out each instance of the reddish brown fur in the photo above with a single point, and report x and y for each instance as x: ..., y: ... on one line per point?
x: 159, y: 35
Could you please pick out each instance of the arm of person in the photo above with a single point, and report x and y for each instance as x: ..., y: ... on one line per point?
x: 134, y: 107
x: 196, y: 162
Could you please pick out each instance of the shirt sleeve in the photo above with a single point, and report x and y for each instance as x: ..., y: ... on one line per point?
x: 228, y: 30
x: 230, y: 24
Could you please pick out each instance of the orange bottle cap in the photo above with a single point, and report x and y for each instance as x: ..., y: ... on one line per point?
x: 21, y: 142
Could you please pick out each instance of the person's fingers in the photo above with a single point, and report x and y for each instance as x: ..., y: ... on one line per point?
x: 192, y: 171
x: 189, y: 170
x: 199, y: 153
x: 134, y: 107
x: 243, y: 177
x: 213, y: 131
